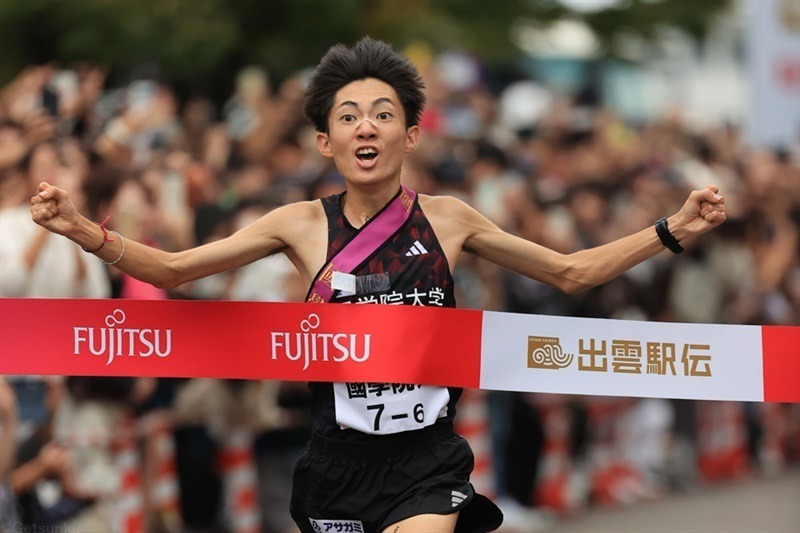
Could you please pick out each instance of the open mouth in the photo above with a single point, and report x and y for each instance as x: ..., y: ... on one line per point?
x: 366, y: 154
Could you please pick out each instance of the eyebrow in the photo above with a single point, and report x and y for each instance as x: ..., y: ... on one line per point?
x: 375, y: 103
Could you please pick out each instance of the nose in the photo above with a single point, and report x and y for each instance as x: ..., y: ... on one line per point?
x: 367, y: 129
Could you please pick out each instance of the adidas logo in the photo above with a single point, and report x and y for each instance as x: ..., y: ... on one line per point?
x: 458, y: 497
x: 416, y: 249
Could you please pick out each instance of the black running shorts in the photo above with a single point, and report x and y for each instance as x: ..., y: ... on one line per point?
x: 363, y: 488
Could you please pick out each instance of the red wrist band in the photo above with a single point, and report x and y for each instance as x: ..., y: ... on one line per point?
x: 105, y: 236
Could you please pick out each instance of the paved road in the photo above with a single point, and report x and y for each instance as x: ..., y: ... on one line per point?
x: 752, y: 506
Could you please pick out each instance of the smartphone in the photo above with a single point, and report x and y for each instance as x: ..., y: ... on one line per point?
x: 50, y: 101
x: 65, y: 83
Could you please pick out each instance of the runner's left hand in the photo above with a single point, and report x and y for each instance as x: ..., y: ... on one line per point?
x: 703, y: 211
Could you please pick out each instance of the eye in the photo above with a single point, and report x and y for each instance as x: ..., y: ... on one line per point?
x: 348, y: 118
x: 384, y: 115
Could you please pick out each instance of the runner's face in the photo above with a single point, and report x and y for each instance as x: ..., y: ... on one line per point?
x: 367, y: 136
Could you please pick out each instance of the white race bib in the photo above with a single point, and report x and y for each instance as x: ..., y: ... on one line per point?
x: 386, y: 408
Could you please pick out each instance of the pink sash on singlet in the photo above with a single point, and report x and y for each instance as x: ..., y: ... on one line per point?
x: 369, y: 239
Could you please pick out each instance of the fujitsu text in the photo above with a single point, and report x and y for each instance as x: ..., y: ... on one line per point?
x: 114, y: 341
x: 310, y: 346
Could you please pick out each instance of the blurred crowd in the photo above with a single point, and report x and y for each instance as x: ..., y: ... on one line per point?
x: 565, y: 172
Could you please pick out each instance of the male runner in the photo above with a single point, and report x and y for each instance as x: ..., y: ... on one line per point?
x: 362, y: 470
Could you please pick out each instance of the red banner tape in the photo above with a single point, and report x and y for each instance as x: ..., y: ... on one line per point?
x: 398, y: 344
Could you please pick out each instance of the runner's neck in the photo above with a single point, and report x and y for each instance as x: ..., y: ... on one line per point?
x: 359, y: 206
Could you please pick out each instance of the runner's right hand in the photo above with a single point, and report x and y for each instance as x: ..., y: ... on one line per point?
x: 52, y: 209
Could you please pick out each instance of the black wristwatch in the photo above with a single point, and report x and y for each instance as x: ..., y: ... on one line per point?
x: 667, y: 238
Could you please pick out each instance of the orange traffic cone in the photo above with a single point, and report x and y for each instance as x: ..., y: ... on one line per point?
x: 129, y: 516
x: 615, y: 480
x: 164, y: 491
x: 472, y: 423
x: 240, y: 481
x: 553, y: 484
x: 722, y: 452
x: 772, y: 452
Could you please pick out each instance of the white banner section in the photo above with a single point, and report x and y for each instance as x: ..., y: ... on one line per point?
x: 604, y: 357
x: 772, y: 46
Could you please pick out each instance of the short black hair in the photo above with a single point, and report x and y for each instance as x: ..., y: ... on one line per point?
x: 369, y: 58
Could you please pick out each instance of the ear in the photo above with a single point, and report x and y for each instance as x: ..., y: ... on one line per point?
x: 324, y: 144
x: 412, y: 138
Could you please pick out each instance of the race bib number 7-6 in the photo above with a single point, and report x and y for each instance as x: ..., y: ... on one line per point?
x: 386, y: 408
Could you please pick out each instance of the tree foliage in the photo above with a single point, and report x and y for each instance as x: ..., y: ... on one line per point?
x: 199, y: 44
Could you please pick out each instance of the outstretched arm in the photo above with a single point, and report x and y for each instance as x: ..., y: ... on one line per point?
x: 703, y: 211
x: 52, y: 209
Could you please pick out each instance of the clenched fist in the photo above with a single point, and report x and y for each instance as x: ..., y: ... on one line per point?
x: 52, y: 209
x: 703, y: 211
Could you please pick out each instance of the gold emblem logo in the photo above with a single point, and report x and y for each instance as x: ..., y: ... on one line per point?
x: 316, y: 299
x: 406, y: 200
x: 327, y: 275
x: 546, y: 352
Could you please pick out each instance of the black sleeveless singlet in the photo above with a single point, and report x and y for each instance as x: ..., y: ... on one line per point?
x: 418, y: 273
